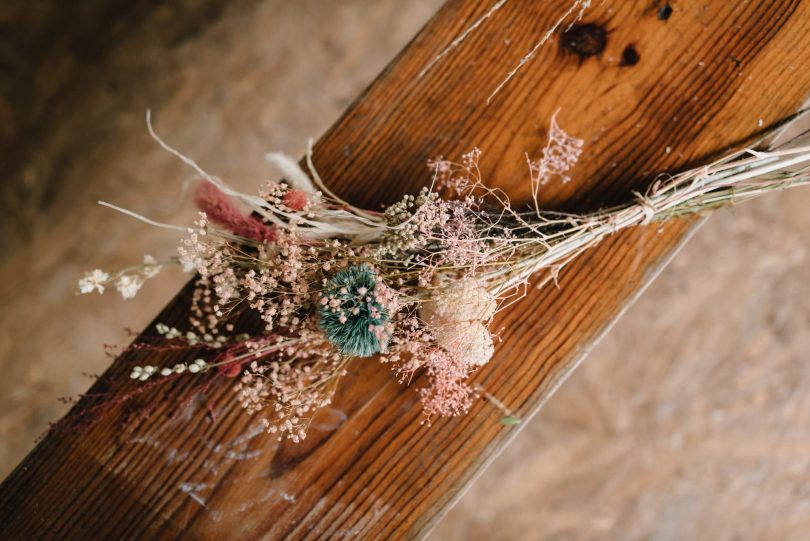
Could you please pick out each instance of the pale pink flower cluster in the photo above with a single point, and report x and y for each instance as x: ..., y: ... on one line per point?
x: 279, y: 283
x: 296, y: 379
x: 274, y: 278
x: 447, y: 366
x: 203, y: 317
x: 390, y: 299
x: 209, y: 256
x: 560, y: 154
x: 284, y: 197
x: 414, y: 348
x: 433, y: 233
x: 451, y: 225
x: 456, y: 178
x: 448, y: 394
x: 200, y: 252
x: 428, y: 232
x: 461, y: 236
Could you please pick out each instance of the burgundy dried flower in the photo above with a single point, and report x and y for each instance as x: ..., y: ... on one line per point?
x: 231, y: 370
x: 220, y: 210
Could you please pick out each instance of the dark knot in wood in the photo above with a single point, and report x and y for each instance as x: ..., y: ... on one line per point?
x: 584, y: 40
x: 630, y: 56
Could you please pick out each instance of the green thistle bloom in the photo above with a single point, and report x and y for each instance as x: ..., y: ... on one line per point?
x: 352, y: 316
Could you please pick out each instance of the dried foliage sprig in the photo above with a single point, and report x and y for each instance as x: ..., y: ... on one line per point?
x: 417, y: 284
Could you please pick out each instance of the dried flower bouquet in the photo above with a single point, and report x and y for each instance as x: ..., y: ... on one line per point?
x: 418, y: 284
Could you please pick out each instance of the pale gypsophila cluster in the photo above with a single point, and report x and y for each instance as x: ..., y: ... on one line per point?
x: 560, y: 154
x: 417, y: 285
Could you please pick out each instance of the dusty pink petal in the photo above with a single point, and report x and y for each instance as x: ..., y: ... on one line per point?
x: 295, y: 200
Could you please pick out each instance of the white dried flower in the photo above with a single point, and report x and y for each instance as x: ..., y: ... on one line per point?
x: 463, y: 300
x: 468, y: 341
x: 93, y: 280
x: 128, y: 286
x: 150, y: 266
x: 172, y: 333
x: 188, y: 264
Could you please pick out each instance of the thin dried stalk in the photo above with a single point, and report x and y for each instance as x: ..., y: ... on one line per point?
x: 736, y: 178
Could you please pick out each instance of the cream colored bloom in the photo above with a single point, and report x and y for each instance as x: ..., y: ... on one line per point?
x: 468, y: 341
x: 455, y: 315
x: 151, y: 267
x: 93, y: 280
x: 462, y: 300
x: 128, y: 286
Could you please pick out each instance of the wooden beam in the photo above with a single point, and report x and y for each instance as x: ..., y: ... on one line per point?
x: 657, y: 95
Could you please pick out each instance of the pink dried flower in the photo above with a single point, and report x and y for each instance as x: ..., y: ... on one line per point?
x: 219, y: 208
x: 448, y: 394
x: 560, y: 154
x: 295, y: 200
x: 289, y: 381
x: 413, y: 347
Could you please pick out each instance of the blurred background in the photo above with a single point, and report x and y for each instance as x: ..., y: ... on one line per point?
x: 691, y: 420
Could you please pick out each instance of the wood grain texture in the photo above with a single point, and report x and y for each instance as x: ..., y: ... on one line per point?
x: 702, y: 81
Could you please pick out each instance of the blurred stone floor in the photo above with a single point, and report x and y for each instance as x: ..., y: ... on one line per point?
x: 691, y: 420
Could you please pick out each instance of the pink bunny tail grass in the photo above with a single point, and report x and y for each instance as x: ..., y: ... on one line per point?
x: 220, y: 210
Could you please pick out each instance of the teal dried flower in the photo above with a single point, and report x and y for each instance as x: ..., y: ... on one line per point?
x: 353, y: 314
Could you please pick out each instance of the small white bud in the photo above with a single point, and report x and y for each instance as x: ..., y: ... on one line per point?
x: 194, y: 368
